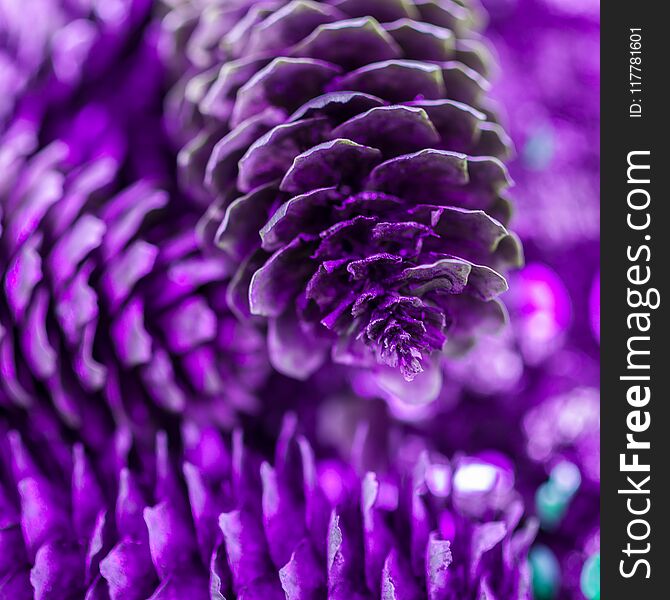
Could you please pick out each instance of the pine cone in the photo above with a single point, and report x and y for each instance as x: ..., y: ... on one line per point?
x: 50, y: 49
x: 208, y: 518
x: 108, y: 303
x: 357, y: 178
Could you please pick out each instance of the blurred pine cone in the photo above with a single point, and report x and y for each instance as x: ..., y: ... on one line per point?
x: 108, y: 303
x: 202, y: 516
x: 49, y: 50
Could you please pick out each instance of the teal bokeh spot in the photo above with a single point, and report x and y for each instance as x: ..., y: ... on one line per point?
x: 590, y: 579
x: 539, y: 150
x: 553, y: 497
x: 546, y: 573
x: 550, y: 506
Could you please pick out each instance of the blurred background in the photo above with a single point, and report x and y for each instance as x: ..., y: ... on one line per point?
x: 549, y: 52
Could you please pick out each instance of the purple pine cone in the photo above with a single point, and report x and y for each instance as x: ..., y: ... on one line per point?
x: 108, y: 304
x: 356, y: 172
x: 207, y: 518
x: 49, y: 49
